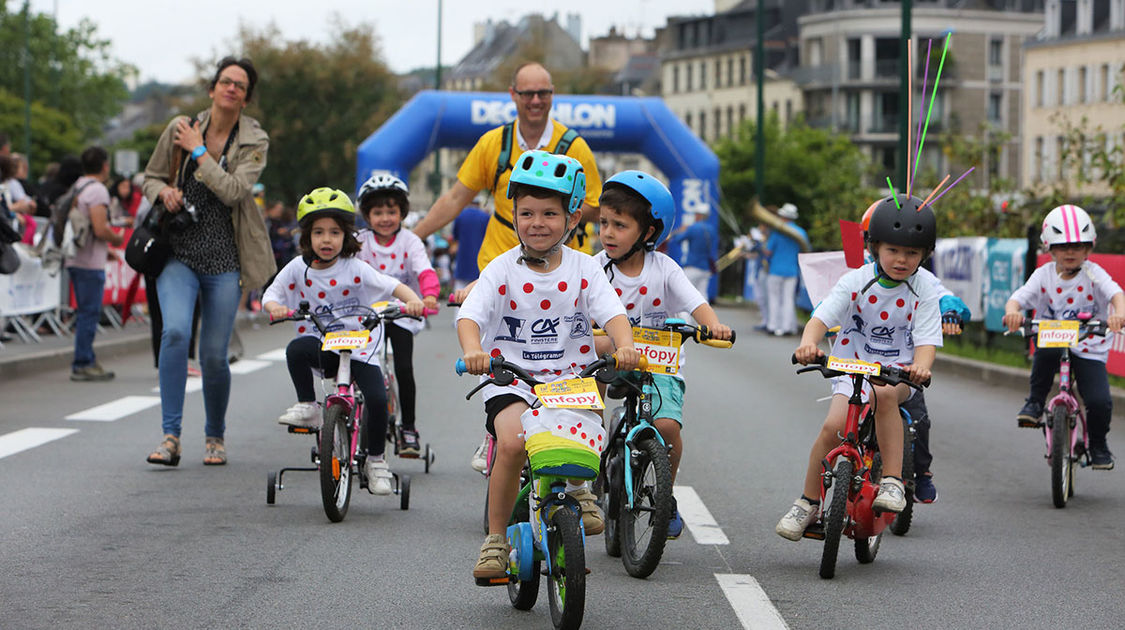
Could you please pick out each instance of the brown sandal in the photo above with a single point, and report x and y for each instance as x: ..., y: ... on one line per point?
x: 168, y: 453
x: 215, y: 452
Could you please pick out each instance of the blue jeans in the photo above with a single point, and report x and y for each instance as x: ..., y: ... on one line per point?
x: 178, y: 287
x: 89, y: 287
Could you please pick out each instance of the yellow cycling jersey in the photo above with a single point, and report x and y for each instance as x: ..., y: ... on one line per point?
x: 479, y: 170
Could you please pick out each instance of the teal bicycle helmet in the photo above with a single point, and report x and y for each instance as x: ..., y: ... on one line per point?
x: 559, y: 173
x: 662, y: 208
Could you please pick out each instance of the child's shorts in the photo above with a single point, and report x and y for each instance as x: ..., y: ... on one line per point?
x: 493, y: 406
x: 843, y: 385
x: 668, y: 398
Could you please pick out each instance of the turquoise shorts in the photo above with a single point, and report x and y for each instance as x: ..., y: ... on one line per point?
x: 668, y: 399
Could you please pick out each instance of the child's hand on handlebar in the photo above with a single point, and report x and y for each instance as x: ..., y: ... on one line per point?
x: 414, y: 308
x: 721, y: 332
x: 431, y: 303
x: 1013, y: 321
x: 1115, y: 322
x: 276, y: 310
x: 807, y: 353
x: 627, y: 358
x: 918, y: 374
x: 458, y: 296
x: 477, y: 362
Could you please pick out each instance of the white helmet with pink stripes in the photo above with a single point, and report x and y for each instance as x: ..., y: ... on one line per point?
x: 1068, y: 224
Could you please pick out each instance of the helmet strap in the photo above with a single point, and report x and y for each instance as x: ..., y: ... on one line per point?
x: 540, y: 261
x: 638, y: 245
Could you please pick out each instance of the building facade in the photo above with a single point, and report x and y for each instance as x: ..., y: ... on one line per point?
x: 1074, y: 71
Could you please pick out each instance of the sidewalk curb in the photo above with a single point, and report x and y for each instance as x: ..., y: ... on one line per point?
x: 118, y: 345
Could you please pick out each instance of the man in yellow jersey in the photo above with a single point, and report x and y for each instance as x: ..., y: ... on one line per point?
x: 531, y: 90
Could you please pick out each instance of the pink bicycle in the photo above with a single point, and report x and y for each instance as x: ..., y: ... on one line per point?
x: 1065, y: 428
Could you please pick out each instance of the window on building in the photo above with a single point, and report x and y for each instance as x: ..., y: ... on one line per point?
x: 994, y: 162
x: 1060, y: 86
x: 1082, y: 95
x: 718, y: 123
x: 1040, y: 87
x: 718, y: 73
x: 741, y: 112
x: 788, y: 111
x: 1106, y: 85
x: 675, y: 78
x: 1060, y: 148
x: 703, y: 125
x: 995, y: 52
x: 703, y: 74
x: 1040, y: 171
x: 730, y: 71
x: 853, y: 58
x: 851, y: 115
x: 687, y: 120
x: 742, y: 70
x: 996, y: 108
x: 689, y: 85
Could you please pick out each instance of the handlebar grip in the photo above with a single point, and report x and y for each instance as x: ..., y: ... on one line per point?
x: 599, y: 332
x: 287, y: 317
x: 718, y: 343
x: 460, y: 367
x: 793, y: 359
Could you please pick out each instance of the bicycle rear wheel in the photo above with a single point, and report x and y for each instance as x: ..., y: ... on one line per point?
x: 867, y: 548
x: 613, y: 497
x: 644, y: 528
x: 834, y: 518
x: 1060, y: 455
x: 566, y: 589
x: 335, y: 463
x: 901, y: 524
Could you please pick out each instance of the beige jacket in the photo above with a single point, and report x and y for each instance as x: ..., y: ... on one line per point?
x: 245, y: 162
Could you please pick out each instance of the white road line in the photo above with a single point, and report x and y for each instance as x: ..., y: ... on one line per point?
x: 751, y: 604
x: 698, y: 518
x: 273, y: 355
x: 117, y: 409
x: 193, y: 385
x: 21, y: 440
x: 245, y: 366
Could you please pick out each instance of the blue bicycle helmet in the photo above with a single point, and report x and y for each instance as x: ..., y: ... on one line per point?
x: 559, y: 173
x: 662, y: 208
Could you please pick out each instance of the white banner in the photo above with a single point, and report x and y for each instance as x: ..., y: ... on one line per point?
x: 30, y: 289
x: 821, y: 271
x: 959, y: 262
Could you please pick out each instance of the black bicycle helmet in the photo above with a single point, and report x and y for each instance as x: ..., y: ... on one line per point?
x: 912, y: 225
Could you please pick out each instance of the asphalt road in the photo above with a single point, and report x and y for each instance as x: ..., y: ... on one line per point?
x: 92, y: 536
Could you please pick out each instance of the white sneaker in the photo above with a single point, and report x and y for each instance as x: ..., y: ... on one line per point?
x: 379, y: 478
x: 792, y: 526
x: 479, y: 462
x: 891, y: 497
x: 303, y: 414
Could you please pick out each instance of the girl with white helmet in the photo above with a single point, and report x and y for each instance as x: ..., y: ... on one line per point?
x: 384, y: 203
x: 1061, y: 289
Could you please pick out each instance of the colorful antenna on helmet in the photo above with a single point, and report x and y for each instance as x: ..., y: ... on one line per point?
x: 933, y: 96
x: 909, y: 109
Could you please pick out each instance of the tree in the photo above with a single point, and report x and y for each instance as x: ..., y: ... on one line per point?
x: 53, y: 133
x: 72, y: 71
x: 822, y: 173
x: 317, y: 102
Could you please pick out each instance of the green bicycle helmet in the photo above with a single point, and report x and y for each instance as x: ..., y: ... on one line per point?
x: 325, y: 202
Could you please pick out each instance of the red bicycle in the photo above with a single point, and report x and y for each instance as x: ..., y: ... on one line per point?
x: 853, y: 470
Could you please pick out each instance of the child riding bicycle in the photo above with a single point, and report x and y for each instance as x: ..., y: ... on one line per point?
x: 637, y: 212
x: 887, y: 316
x: 400, y: 254
x: 328, y: 276
x: 1061, y: 289
x: 533, y: 304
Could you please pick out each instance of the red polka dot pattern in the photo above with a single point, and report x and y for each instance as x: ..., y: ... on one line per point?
x: 618, y: 292
x: 872, y: 299
x: 644, y: 290
x: 320, y: 295
x: 308, y: 283
x: 503, y: 289
x: 495, y: 352
x: 332, y: 282
x: 345, y: 291
x: 900, y: 303
x: 656, y: 302
x: 562, y: 286
x: 512, y: 304
x: 528, y: 288
x: 584, y: 283
x: 584, y: 349
x: 356, y: 280
x: 884, y: 315
x: 545, y: 304
x: 292, y: 286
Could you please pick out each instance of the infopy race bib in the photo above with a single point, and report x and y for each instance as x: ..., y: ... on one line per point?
x: 854, y: 366
x: 575, y: 393
x: 1057, y: 333
x: 660, y: 347
x: 345, y: 340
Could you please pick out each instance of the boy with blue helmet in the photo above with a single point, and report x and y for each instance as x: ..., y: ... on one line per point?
x: 533, y: 304
x: 637, y: 213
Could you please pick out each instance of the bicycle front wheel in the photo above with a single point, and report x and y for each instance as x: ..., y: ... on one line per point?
x: 567, y: 587
x: 644, y: 527
x: 612, y: 499
x: 1060, y: 455
x: 335, y: 463
x: 834, y: 518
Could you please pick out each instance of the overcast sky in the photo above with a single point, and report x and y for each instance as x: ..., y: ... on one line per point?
x: 161, y: 37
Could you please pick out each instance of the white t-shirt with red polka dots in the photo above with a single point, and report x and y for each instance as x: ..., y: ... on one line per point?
x: 881, y: 324
x: 1089, y: 291
x: 660, y: 291
x: 404, y: 258
x: 540, y: 321
x: 333, y: 292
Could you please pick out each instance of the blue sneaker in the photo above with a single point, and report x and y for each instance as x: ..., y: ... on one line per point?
x: 924, y: 490
x: 676, y: 524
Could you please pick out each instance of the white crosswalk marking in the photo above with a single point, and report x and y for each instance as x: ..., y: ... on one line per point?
x: 193, y: 385
x: 117, y: 409
x: 698, y: 518
x: 246, y: 366
x: 273, y: 355
x: 16, y: 441
x: 751, y: 604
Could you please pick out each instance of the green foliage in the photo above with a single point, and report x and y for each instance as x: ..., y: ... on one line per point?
x: 53, y: 133
x: 72, y: 71
x: 317, y: 102
x: 822, y: 173
x: 973, y: 207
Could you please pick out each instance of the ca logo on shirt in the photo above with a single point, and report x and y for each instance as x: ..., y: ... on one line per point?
x: 883, y: 335
x: 513, y: 326
x: 545, y: 330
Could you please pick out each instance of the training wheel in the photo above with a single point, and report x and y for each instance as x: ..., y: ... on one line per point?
x: 429, y: 458
x: 404, y: 492
x: 271, y: 488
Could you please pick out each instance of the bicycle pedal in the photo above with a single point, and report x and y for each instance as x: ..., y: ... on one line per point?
x: 1027, y: 424
x: 814, y: 531
x: 493, y: 581
x: 303, y: 430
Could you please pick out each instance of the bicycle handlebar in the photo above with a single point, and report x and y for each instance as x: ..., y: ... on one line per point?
x: 504, y: 372
x: 888, y: 374
x: 371, y: 317
x: 1088, y: 328
x: 698, y: 334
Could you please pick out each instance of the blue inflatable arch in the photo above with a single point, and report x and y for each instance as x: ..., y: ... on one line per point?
x: 612, y: 124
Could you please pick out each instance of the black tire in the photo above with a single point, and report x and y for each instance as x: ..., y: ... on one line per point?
x: 335, y: 464
x: 867, y: 548
x: 524, y: 594
x: 613, y: 495
x: 429, y: 459
x: 404, y: 492
x: 643, y: 530
x: 566, y: 587
x: 271, y: 488
x: 901, y: 524
x: 1061, y: 463
x: 834, y: 519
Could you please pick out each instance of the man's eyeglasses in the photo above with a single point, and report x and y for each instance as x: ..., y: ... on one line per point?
x: 226, y: 82
x: 527, y: 95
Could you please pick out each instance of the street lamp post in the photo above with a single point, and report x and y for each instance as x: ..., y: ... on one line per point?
x: 904, y: 97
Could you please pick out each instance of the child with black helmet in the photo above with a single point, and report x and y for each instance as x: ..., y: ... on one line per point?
x: 637, y: 213
x: 887, y: 316
x: 333, y: 281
